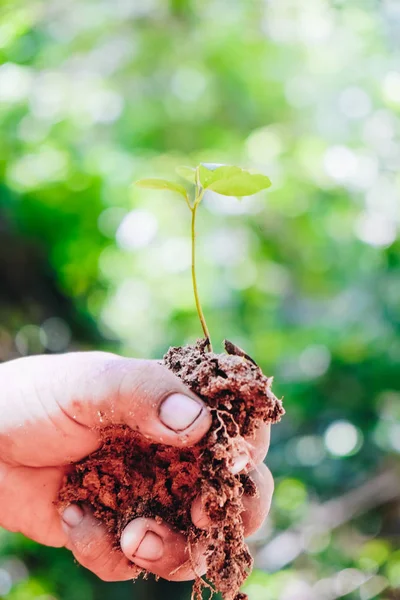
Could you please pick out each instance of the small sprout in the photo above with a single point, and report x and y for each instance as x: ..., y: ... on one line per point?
x: 222, y: 179
x: 216, y: 173
x: 188, y: 173
x: 232, y: 181
x: 162, y: 184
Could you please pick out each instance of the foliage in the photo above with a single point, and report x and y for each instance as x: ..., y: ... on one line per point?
x: 225, y: 180
x: 94, y: 95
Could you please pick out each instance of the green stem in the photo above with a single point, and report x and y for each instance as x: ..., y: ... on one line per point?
x: 194, y: 279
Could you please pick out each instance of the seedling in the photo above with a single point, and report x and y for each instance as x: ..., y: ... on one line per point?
x: 131, y: 477
x: 222, y: 179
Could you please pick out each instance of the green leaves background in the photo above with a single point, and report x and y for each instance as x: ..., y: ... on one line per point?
x: 94, y: 96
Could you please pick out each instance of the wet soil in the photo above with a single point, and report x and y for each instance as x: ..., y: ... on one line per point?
x: 128, y: 477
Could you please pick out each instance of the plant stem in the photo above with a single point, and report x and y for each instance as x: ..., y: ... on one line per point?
x: 194, y: 279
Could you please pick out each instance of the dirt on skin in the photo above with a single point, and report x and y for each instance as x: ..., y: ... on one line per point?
x: 128, y: 477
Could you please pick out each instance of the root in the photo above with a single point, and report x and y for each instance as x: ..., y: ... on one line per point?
x: 200, y: 584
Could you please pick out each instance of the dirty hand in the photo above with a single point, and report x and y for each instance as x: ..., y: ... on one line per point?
x: 50, y: 410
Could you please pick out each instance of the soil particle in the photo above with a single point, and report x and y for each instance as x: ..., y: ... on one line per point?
x: 129, y: 477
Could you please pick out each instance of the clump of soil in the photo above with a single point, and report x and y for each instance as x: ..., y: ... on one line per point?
x: 129, y: 477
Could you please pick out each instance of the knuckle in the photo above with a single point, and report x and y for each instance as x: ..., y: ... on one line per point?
x: 270, y: 480
x: 142, y: 378
x: 89, y: 551
x: 155, y: 379
x: 108, y: 570
x: 266, y: 481
x: 257, y: 455
x: 259, y: 445
x: 100, y: 563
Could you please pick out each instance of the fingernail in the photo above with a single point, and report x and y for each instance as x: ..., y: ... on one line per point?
x: 178, y: 412
x: 72, y: 515
x: 150, y: 548
x: 239, y: 463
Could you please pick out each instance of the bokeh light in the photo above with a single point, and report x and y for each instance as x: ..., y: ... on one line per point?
x: 342, y: 438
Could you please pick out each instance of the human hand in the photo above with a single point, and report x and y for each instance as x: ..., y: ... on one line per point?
x: 50, y: 408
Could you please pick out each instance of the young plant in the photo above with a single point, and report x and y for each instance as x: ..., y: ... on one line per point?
x: 143, y: 478
x: 222, y: 179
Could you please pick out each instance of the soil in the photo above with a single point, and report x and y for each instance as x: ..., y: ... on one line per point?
x: 129, y: 477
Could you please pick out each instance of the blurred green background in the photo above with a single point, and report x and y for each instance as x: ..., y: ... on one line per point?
x: 306, y: 277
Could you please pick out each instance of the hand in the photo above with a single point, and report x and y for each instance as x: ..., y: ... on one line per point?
x: 49, y: 418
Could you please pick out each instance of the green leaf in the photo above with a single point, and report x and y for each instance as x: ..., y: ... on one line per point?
x: 212, y: 166
x: 209, y: 172
x: 205, y: 176
x: 162, y: 184
x: 241, y: 184
x: 230, y: 180
x: 187, y: 173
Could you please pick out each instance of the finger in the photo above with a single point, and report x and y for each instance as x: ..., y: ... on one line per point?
x: 144, y: 395
x: 157, y: 548
x: 65, y: 400
x: 93, y: 547
x: 258, y: 445
x: 37, y: 517
x: 251, y: 451
x: 255, y: 508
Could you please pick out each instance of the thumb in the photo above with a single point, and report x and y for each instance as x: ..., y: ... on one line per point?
x: 142, y: 394
x: 65, y: 400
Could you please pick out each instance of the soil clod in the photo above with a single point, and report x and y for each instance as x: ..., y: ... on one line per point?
x: 128, y: 477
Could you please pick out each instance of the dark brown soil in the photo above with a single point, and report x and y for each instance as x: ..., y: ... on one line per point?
x: 129, y: 477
